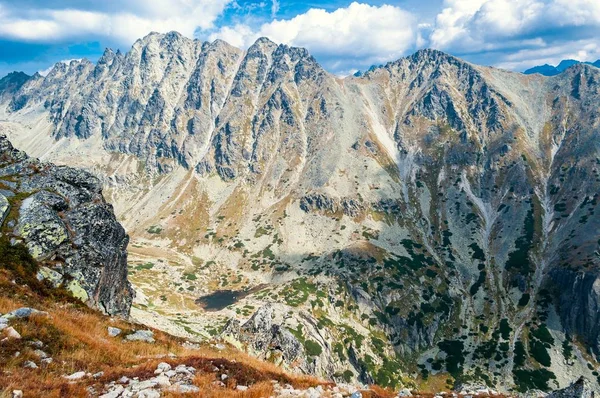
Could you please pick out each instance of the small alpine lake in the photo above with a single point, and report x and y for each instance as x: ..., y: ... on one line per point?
x: 220, y: 299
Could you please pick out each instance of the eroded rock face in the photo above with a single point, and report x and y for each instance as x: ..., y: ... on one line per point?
x: 579, y: 303
x: 65, y: 223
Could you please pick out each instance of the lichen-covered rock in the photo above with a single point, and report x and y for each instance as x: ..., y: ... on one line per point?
x: 318, y: 202
x: 3, y: 323
x: 4, y: 208
x: 65, y: 224
x: 39, y: 223
x: 113, y: 332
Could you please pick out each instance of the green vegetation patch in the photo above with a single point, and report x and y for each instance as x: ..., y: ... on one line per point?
x: 532, y: 379
x: 298, y: 292
x: 542, y: 334
x: 520, y: 354
x: 519, y: 258
x: 190, y: 276
x: 455, y: 358
x: 155, y: 229
x: 538, y: 351
x: 505, y: 329
x: 524, y: 300
x: 478, y: 254
x: 567, y: 348
x: 145, y: 266
x: 312, y: 348
x: 478, y: 283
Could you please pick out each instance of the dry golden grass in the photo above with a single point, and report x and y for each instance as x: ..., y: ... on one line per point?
x: 208, y: 389
x: 437, y: 382
x: 76, y: 338
x: 379, y: 392
x: 231, y: 212
x: 186, y: 215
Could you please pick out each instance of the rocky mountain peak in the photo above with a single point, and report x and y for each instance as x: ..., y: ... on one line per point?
x: 14, y: 77
x: 432, y: 55
x: 262, y: 47
x: 12, y: 83
x: 75, y: 67
x: 264, y: 41
x: 107, y: 57
x: 581, y: 388
x: 219, y: 43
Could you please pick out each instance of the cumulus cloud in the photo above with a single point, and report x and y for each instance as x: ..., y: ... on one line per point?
x: 521, y: 27
x: 341, y: 39
x: 124, y: 23
x: 583, y: 50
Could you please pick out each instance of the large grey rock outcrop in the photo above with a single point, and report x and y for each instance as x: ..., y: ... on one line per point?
x: 579, y: 303
x: 266, y: 337
x: 579, y: 389
x: 65, y: 223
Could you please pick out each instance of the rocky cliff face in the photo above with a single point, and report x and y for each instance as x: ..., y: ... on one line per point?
x: 59, y: 214
x: 430, y: 216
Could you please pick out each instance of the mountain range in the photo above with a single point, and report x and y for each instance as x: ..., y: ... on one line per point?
x: 427, y: 220
x: 550, y: 70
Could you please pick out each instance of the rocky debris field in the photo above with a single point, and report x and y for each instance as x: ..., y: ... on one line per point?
x: 180, y: 379
x: 173, y: 376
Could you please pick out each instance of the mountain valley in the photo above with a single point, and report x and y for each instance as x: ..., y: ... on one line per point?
x: 429, y: 223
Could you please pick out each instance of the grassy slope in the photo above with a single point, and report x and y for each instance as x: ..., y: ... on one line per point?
x: 75, y: 336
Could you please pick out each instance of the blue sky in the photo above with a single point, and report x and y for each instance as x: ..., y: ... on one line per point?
x: 343, y: 36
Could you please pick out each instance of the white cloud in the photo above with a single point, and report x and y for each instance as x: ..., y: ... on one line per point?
x: 134, y: 19
x: 521, y: 32
x: 483, y: 24
x: 575, y: 12
x: 507, y: 33
x: 583, y: 50
x: 360, y: 33
x: 274, y: 8
x: 239, y: 35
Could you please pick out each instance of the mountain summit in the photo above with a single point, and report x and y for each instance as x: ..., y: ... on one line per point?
x: 430, y: 219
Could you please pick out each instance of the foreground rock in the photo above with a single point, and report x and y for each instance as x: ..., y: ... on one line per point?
x: 11, y: 333
x: 113, y: 332
x: 580, y: 389
x: 141, y: 335
x: 23, y: 313
x: 267, y: 339
x: 180, y: 379
x: 65, y: 223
